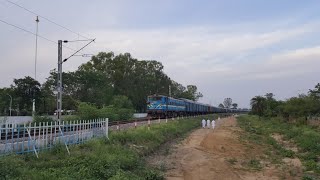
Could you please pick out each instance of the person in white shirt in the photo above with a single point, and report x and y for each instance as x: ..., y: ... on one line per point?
x: 213, y: 123
x: 208, y: 123
x: 203, y: 123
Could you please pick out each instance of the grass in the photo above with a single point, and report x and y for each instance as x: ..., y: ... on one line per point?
x: 254, y: 164
x: 232, y: 161
x: 305, y: 137
x: 120, y: 157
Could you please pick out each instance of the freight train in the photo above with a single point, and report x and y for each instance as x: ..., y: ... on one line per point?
x: 164, y: 106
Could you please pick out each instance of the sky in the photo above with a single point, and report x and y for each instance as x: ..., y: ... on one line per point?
x: 231, y: 48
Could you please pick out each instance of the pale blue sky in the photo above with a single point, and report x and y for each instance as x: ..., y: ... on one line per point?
x: 230, y: 48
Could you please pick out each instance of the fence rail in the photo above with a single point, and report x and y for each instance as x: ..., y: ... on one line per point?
x: 33, y: 137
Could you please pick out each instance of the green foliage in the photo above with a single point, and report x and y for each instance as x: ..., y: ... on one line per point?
x: 42, y: 119
x: 254, y: 164
x: 88, y: 111
x: 305, y: 137
x: 296, y: 109
x: 10, y: 167
x: 117, y: 158
x: 70, y: 118
x: 258, y: 105
x: 121, y: 102
x: 103, y: 81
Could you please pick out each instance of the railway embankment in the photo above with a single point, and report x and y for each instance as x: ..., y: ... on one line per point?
x: 119, y: 157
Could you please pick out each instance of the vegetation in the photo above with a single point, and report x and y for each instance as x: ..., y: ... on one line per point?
x: 42, y: 119
x: 290, y: 119
x: 116, y: 158
x: 227, y: 102
x: 96, y: 82
x: 297, y: 109
x: 306, y: 138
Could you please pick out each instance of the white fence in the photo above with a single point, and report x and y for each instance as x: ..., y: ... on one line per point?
x: 33, y: 137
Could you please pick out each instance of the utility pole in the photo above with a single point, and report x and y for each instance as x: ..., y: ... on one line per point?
x: 35, y: 69
x: 169, y: 90
x: 10, y: 108
x: 59, y: 75
x: 36, y: 53
x: 59, y: 80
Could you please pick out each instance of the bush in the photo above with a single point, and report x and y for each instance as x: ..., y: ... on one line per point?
x: 69, y: 118
x: 109, y: 112
x: 87, y: 111
x: 42, y: 119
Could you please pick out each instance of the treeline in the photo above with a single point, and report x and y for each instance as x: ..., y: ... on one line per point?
x: 96, y: 83
x: 299, y: 108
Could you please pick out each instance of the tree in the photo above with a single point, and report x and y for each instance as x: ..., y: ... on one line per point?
x: 315, y: 93
x: 269, y: 96
x: 234, y: 105
x: 271, y: 105
x: 227, y: 102
x: 221, y: 105
x: 258, y: 105
x: 5, y: 101
x: 191, y: 93
x: 25, y: 90
x: 121, y: 102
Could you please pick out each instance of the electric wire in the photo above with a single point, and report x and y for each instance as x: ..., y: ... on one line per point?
x: 32, y: 12
x: 30, y: 32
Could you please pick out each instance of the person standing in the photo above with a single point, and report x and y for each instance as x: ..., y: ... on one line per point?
x: 213, y: 123
x: 203, y: 123
x: 208, y: 123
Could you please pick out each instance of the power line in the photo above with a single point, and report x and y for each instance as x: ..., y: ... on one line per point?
x: 32, y: 12
x: 27, y: 31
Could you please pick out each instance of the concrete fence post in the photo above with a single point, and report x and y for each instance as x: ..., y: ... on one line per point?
x: 107, y: 128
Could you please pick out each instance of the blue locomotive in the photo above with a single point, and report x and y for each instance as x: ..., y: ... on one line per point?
x: 164, y: 106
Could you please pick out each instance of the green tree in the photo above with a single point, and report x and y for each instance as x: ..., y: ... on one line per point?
x: 258, y: 105
x: 122, y: 102
x: 315, y: 93
x: 25, y: 90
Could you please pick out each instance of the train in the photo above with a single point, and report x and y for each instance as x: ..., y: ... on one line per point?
x: 161, y: 106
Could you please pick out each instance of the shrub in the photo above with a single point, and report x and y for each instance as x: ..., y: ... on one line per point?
x: 87, y: 111
x: 42, y: 119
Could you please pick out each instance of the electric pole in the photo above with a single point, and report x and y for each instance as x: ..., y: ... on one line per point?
x: 35, y: 69
x: 59, y: 80
x: 59, y: 75
x: 10, y: 108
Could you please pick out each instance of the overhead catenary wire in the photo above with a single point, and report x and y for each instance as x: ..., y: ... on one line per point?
x: 32, y: 12
x: 30, y: 32
x: 79, y: 50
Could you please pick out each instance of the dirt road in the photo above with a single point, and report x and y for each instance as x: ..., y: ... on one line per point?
x: 218, y: 154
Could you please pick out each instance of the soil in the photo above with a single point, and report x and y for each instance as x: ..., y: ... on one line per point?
x: 220, y: 154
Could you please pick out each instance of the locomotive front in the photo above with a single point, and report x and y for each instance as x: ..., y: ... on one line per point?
x: 156, y: 105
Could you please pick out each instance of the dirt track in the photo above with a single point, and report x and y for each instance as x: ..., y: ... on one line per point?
x: 218, y: 154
